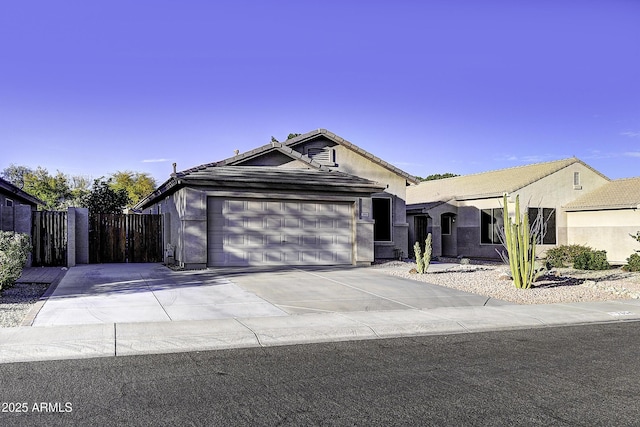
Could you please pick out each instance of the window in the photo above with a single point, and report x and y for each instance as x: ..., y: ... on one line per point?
x: 382, y: 216
x: 445, y: 224
x: 9, y: 202
x: 576, y: 181
x: 491, y: 223
x: 548, y: 218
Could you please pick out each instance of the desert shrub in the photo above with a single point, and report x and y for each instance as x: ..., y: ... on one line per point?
x: 565, y: 255
x: 633, y: 263
x: 14, y: 250
x: 592, y: 260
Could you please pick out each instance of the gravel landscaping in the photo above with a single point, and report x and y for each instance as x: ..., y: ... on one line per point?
x: 559, y: 286
x: 16, y: 301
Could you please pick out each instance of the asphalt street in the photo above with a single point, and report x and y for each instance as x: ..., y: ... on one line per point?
x: 575, y: 375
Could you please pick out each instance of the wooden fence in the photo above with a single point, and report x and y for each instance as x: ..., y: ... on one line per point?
x: 49, y: 238
x: 125, y: 238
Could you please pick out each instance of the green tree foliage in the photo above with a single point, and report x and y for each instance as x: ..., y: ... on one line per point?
x: 53, y: 190
x: 291, y: 135
x: 438, y: 176
x: 15, y: 174
x: 14, y: 250
x: 104, y: 199
x: 136, y: 184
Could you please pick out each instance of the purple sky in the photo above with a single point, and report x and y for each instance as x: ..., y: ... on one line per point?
x: 92, y: 87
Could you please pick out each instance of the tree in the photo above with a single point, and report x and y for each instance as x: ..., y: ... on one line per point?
x: 15, y: 174
x: 290, y: 136
x: 438, y: 176
x: 136, y: 184
x: 53, y: 190
x: 104, y: 199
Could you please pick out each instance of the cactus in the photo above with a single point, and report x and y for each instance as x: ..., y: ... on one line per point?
x: 423, y: 259
x: 426, y: 257
x: 521, y: 247
x: 419, y: 261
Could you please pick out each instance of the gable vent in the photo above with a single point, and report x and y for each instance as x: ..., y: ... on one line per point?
x: 323, y: 156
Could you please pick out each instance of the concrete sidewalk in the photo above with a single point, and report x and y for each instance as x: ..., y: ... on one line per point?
x: 122, y: 337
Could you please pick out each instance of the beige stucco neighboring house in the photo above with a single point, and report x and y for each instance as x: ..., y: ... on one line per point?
x: 604, y: 218
x: 464, y: 213
x: 315, y: 199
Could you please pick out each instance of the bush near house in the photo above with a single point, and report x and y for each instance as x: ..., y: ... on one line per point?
x: 633, y: 263
x: 565, y: 255
x: 592, y: 260
x: 14, y: 250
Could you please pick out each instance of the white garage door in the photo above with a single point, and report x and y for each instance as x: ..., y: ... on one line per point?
x: 276, y: 232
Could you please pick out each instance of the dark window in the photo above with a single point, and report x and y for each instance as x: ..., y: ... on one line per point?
x: 9, y: 202
x: 548, y: 218
x: 382, y: 217
x: 445, y: 224
x: 491, y: 224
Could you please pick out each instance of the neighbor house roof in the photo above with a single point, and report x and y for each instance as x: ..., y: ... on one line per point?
x: 486, y: 184
x: 18, y: 194
x: 618, y: 194
x: 265, y: 178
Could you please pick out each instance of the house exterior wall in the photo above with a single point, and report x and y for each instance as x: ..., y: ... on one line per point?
x: 557, y: 190
x: 552, y: 191
x: 185, y: 214
x: 605, y: 230
x: 353, y: 163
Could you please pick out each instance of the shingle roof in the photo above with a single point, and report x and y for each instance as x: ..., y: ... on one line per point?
x: 618, y: 194
x: 19, y: 194
x: 485, y: 184
x: 264, y: 178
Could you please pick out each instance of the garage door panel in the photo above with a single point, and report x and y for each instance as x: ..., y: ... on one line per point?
x: 255, y: 232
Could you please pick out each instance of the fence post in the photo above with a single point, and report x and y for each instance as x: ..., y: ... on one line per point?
x: 71, y: 237
x: 22, y: 223
x: 82, y: 235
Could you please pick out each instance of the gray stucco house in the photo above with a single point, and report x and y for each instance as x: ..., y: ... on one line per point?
x: 464, y: 213
x: 10, y: 196
x: 316, y: 199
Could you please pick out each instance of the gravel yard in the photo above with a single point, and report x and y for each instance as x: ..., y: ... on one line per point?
x: 15, y: 302
x: 561, y: 285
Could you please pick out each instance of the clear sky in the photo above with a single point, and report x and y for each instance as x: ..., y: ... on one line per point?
x: 431, y: 86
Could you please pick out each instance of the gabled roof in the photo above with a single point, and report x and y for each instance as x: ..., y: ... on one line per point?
x: 618, y: 194
x: 22, y: 196
x: 264, y: 178
x: 260, y: 151
x: 339, y: 140
x: 486, y: 184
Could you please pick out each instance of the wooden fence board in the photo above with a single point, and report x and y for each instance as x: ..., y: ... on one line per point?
x: 125, y: 238
x: 49, y: 238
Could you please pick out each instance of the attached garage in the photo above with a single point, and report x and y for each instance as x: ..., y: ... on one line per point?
x: 219, y: 216
x: 244, y: 232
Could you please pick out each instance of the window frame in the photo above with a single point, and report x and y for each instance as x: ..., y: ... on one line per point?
x: 495, y: 240
x: 548, y: 215
x: 9, y: 203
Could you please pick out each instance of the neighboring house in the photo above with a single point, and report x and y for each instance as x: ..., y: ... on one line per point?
x: 10, y: 195
x: 464, y: 213
x: 16, y: 206
x: 314, y: 199
x: 604, y: 218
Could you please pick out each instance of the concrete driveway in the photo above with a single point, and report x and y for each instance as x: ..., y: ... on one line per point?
x: 122, y: 293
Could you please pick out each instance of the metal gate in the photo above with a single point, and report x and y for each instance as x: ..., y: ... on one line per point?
x: 49, y: 238
x: 125, y: 238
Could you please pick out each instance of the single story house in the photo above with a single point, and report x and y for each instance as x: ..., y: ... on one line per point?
x: 605, y: 217
x: 316, y: 199
x: 10, y: 196
x: 16, y: 206
x: 464, y: 213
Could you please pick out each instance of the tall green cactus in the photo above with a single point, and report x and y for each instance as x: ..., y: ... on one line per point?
x: 521, y: 246
x: 423, y: 259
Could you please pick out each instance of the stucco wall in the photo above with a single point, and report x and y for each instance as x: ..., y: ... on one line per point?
x: 606, y: 230
x: 353, y: 163
x: 186, y: 221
